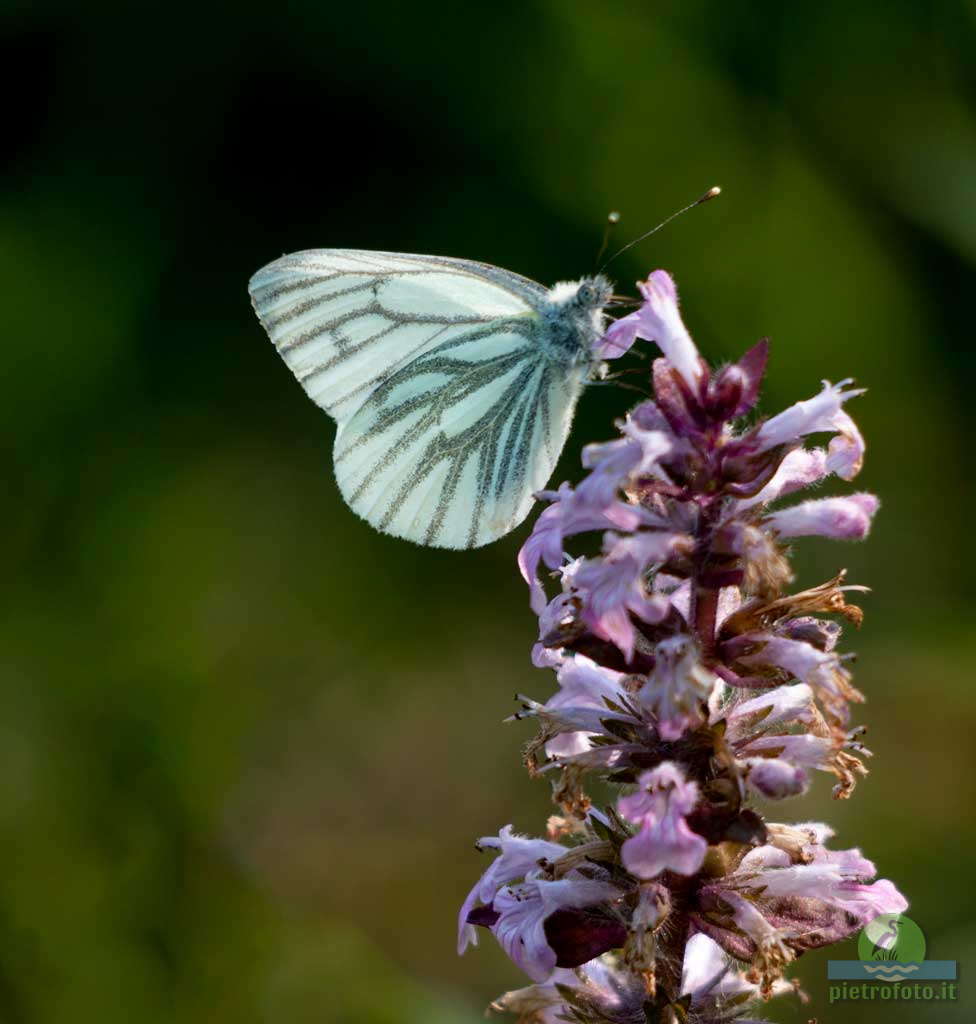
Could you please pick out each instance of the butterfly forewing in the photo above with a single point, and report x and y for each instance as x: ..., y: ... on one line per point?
x: 449, y: 414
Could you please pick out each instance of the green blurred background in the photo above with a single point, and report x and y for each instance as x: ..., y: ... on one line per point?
x: 246, y: 742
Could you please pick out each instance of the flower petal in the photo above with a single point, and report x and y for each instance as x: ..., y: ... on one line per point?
x: 660, y: 321
x: 847, y: 518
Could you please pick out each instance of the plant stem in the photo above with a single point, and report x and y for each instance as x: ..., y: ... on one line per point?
x: 704, y: 599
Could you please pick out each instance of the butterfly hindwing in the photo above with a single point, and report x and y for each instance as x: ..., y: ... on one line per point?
x: 449, y: 451
x: 449, y: 415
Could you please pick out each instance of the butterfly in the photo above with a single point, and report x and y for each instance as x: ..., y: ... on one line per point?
x: 452, y: 383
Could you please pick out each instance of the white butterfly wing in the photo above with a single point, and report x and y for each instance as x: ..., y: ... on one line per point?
x: 345, y: 319
x: 449, y: 415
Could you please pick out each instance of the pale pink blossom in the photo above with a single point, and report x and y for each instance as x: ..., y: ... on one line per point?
x: 813, y: 416
x: 677, y: 689
x: 664, y: 842
x: 657, y: 320
x: 519, y: 856
x: 612, y: 588
x: 521, y: 912
x: 800, y: 468
x: 847, y: 518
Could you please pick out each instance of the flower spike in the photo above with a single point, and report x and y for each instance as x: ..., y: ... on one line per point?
x: 692, y: 675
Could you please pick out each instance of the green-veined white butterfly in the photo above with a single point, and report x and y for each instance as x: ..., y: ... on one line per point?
x: 452, y: 383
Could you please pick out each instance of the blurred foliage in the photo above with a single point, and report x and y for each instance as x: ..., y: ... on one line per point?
x: 245, y: 742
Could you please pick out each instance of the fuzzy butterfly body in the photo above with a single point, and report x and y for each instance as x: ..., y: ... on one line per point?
x: 452, y: 383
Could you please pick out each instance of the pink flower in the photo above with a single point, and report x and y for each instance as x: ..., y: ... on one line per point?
x: 777, y: 706
x: 520, y: 913
x: 606, y: 988
x: 612, y: 587
x: 773, y: 758
x: 582, y: 684
x: 813, y: 416
x: 613, y: 463
x: 780, y: 906
x: 677, y: 688
x: 713, y: 983
x: 619, y: 338
x: 845, y: 453
x: 800, y: 468
x: 519, y: 856
x: 821, y: 670
x: 775, y: 777
x: 664, y: 841
x: 847, y: 518
x: 658, y: 320
x: 568, y: 514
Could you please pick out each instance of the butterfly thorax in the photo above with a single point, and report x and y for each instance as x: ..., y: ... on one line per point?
x: 573, y: 319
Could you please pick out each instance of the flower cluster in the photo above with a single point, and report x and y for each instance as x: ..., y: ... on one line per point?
x: 693, y: 678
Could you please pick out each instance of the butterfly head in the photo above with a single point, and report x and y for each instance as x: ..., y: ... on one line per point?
x: 589, y: 294
x: 592, y: 293
x: 573, y: 314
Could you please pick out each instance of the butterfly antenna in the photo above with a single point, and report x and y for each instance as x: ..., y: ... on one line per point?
x: 613, y: 218
x: 617, y: 383
x: 710, y: 194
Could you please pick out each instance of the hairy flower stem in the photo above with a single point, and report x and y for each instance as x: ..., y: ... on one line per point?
x: 667, y: 968
x: 704, y: 597
x: 704, y: 618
